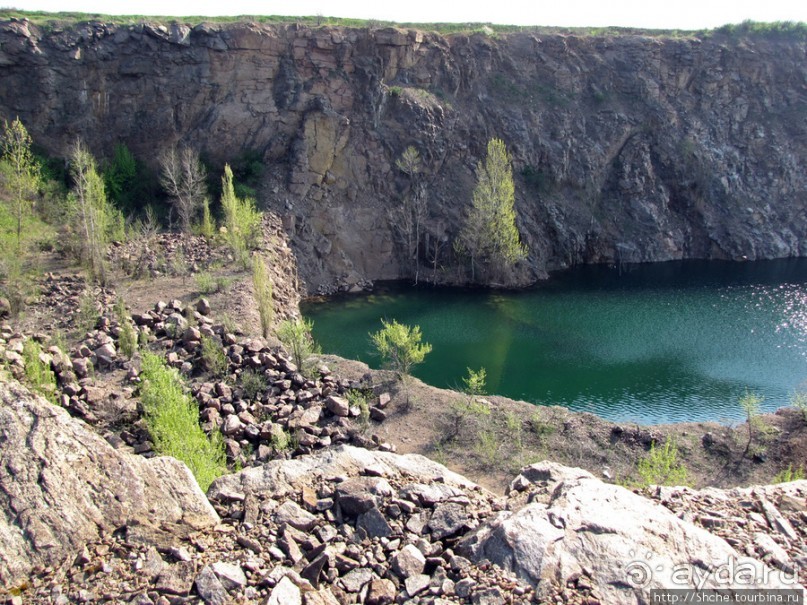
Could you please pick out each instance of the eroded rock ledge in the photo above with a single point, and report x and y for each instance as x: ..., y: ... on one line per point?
x: 625, y: 148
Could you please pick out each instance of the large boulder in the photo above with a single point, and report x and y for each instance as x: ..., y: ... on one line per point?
x: 343, y: 461
x: 577, y: 533
x: 62, y: 485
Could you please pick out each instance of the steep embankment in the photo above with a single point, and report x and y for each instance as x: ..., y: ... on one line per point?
x: 625, y: 148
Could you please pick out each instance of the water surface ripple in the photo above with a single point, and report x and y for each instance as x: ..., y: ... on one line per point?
x: 655, y: 343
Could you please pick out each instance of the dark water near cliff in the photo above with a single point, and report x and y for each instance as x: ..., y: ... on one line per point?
x: 651, y: 343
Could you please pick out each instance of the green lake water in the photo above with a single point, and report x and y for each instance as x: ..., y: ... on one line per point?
x: 655, y: 343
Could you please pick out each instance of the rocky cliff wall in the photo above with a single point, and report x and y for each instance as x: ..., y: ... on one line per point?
x: 624, y: 148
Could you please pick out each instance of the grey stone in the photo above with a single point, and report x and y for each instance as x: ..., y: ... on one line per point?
x: 292, y: 513
x: 416, y: 583
x: 176, y: 579
x: 488, y: 596
x: 448, y: 518
x: 464, y: 587
x: 374, y: 523
x: 285, y: 593
x: 338, y: 406
x: 209, y: 587
x: 355, y: 580
x: 577, y: 518
x: 408, y: 561
x: 359, y: 494
x: 231, y: 576
x: 381, y: 592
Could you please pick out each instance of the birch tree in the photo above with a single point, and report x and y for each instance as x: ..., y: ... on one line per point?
x: 184, y: 179
x: 89, y: 212
x: 23, y: 174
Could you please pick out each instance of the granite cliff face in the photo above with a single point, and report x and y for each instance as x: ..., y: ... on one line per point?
x: 624, y: 148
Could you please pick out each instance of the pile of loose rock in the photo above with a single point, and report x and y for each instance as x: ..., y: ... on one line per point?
x: 290, y: 414
x: 765, y: 522
x: 290, y: 408
x: 157, y: 254
x: 345, y: 526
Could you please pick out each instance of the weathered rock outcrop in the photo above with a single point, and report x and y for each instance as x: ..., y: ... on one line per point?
x: 580, y: 534
x: 62, y: 485
x: 627, y: 148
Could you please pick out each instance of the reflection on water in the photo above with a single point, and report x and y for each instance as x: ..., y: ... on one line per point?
x: 658, y: 343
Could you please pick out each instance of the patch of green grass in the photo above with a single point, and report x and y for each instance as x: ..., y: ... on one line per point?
x: 541, y: 427
x: 487, y: 448
x: 253, y: 383
x: 173, y: 422
x: 62, y: 19
x: 789, y: 474
x: 213, y: 357
x: 38, y: 373
x: 127, y: 337
x: 357, y: 398
x: 295, y: 334
x: 281, y: 440
x: 661, y: 466
x: 207, y: 283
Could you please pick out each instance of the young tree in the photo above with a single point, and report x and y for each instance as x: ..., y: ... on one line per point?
x: 295, y: 334
x: 184, y: 179
x: 121, y: 178
x: 91, y: 215
x: 400, y: 347
x: 490, y: 233
x: 408, y: 217
x: 24, y: 172
x: 241, y: 219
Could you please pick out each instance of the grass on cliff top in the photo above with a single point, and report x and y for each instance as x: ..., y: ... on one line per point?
x: 778, y: 29
x: 173, y: 422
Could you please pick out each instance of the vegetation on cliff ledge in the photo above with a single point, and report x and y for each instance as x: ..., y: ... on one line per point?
x: 788, y: 29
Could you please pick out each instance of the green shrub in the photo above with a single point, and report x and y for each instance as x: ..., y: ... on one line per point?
x: 514, y: 427
x: 242, y: 221
x: 399, y: 346
x: 38, y: 374
x: 207, y: 226
x: 88, y: 313
x: 750, y: 402
x: 253, y: 383
x: 475, y: 382
x: 280, y: 440
x: 213, y: 357
x: 128, y: 337
x: 205, y: 283
x: 358, y: 398
x: 540, y: 427
x: 789, y: 474
x: 661, y: 466
x: 173, y: 422
x: 487, y: 448
x: 466, y: 415
x: 295, y: 334
x: 799, y: 401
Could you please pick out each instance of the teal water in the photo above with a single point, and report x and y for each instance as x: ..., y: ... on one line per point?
x: 656, y: 343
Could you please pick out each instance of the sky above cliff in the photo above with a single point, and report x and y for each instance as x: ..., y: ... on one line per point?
x: 682, y: 14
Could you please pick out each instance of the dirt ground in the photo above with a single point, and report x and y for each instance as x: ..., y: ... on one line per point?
x: 490, y: 449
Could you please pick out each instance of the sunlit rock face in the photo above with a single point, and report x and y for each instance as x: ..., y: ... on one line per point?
x: 628, y: 148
